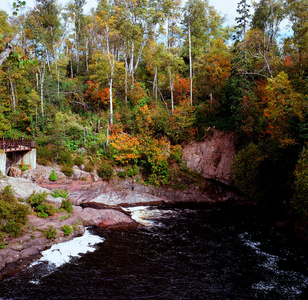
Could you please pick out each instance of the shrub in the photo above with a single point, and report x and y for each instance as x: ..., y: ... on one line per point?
x: 79, y: 160
x: 67, y: 205
x: 132, y: 171
x: 65, y: 157
x: 67, y: 169
x: 23, y: 167
x: 176, y: 153
x: 105, y: 171
x: 53, y: 176
x: 13, y: 215
x: 300, y: 198
x: 246, y: 171
x: 45, y: 154
x: 36, y: 199
x: 122, y: 174
x: 67, y: 229
x: 89, y: 167
x: 7, y: 194
x: 59, y: 193
x: 45, y: 209
x: 50, y: 232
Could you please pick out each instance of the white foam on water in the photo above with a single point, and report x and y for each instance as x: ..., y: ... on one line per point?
x: 62, y: 253
x: 147, y: 215
x: 278, y: 276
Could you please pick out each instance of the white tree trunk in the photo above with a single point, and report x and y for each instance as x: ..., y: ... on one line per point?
x: 13, y: 95
x: 8, y: 48
x: 171, y: 90
x: 126, y: 78
x: 190, y: 65
x: 42, y: 77
x: 111, y: 102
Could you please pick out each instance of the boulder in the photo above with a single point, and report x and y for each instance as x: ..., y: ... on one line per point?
x: 104, y: 217
x: 14, y: 172
x: 23, y: 187
x: 213, y: 157
x: 81, y: 175
x: 41, y: 175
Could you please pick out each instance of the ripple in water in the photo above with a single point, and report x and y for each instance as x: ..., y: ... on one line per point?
x: 276, y: 278
x: 204, y: 252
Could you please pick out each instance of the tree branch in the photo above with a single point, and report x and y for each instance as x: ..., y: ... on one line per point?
x: 8, y: 48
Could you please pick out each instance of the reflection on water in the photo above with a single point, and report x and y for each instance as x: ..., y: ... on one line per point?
x: 204, y: 252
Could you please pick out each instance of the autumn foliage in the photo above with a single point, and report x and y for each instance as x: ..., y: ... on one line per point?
x: 98, y: 97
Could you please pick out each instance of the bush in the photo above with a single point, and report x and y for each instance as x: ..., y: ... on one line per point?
x: 79, y: 160
x: 89, y: 167
x: 176, y: 153
x: 36, y: 199
x: 23, y: 167
x: 67, y: 205
x: 105, y: 171
x: 65, y: 157
x: 300, y: 198
x: 45, y: 209
x: 53, y: 176
x: 122, y: 174
x: 45, y: 154
x: 132, y: 171
x: 246, y: 171
x: 67, y: 229
x: 59, y: 193
x: 50, y: 232
x: 38, y: 202
x: 13, y: 215
x: 67, y: 169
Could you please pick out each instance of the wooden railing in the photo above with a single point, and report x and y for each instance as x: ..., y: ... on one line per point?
x: 8, y: 145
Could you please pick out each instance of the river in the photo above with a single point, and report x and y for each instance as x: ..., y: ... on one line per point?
x: 191, y: 252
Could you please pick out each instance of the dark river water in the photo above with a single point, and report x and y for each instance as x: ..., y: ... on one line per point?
x: 201, y: 252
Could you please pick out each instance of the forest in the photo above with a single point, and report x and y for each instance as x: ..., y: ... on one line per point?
x: 133, y: 80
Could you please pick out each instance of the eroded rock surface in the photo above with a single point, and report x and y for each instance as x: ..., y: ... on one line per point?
x: 212, y: 157
x: 23, y: 188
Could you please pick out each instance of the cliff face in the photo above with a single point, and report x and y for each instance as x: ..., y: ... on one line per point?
x: 212, y: 157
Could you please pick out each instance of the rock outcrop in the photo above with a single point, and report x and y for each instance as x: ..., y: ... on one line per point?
x: 212, y: 157
x: 23, y: 188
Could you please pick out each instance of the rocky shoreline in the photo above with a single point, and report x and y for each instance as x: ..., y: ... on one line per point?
x: 95, y: 202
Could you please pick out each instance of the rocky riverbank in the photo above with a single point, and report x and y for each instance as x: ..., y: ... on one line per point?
x: 95, y: 202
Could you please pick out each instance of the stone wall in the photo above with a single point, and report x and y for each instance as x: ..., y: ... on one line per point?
x: 212, y: 157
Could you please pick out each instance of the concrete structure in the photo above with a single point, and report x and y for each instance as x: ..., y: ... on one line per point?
x: 17, y: 152
x: 28, y: 158
x: 2, y: 162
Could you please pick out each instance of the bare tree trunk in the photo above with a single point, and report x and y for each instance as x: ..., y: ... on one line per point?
x: 190, y: 65
x: 131, y: 67
x: 42, y: 75
x: 155, y: 85
x: 71, y: 65
x: 13, y: 95
x: 126, y: 79
x: 58, y: 72
x: 171, y: 90
x: 8, y: 48
x: 111, y: 103
x: 87, y: 55
x: 108, y: 130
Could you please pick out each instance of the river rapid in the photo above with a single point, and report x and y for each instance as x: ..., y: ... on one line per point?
x: 203, y: 251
